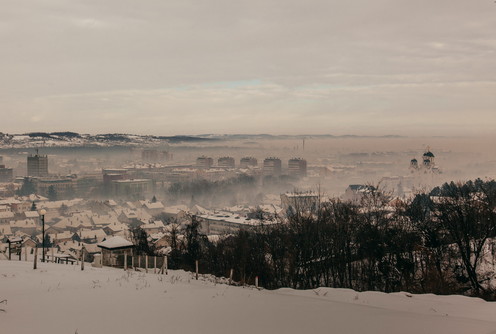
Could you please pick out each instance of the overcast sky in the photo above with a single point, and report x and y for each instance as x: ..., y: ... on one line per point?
x: 417, y: 67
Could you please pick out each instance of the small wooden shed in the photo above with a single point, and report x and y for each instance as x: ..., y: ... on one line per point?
x: 114, y: 249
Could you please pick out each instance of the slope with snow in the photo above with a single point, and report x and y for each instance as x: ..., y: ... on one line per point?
x: 63, y: 299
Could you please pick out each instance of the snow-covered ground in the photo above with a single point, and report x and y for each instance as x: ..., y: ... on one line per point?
x: 59, y: 298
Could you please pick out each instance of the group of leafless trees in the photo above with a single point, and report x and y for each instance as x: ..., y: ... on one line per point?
x: 438, y: 242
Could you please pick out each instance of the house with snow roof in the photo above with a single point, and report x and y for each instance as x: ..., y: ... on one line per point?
x: 227, y: 222
x: 176, y: 212
x: 153, y: 208
x: 27, y: 226
x: 355, y: 192
x: 153, y: 227
x: 31, y: 215
x: 114, y: 249
x: 92, y: 236
x: 6, y: 217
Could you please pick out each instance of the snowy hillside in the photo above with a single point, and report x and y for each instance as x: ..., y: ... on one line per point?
x: 63, y: 299
x: 72, y: 139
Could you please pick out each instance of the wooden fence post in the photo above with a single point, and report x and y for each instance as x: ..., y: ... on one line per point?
x: 256, y: 282
x: 154, y: 264
x: 166, y: 259
x: 35, y: 257
x: 146, y: 264
x: 230, y: 276
x: 125, y: 260
x: 162, y: 267
x: 26, y: 253
x: 196, y: 264
x: 82, y: 258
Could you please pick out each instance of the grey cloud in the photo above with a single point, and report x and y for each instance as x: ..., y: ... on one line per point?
x: 332, y: 64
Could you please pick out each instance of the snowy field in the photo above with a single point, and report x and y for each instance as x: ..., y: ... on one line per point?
x: 62, y: 299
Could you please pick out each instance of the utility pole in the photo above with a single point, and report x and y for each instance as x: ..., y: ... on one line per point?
x: 42, y: 215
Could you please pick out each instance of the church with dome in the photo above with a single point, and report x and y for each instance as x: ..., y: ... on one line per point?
x: 427, y: 164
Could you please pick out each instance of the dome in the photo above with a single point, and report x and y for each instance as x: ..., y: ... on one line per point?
x: 429, y: 154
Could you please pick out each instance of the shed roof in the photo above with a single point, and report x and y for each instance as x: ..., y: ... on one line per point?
x: 116, y: 243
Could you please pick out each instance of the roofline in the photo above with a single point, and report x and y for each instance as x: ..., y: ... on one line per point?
x: 116, y: 248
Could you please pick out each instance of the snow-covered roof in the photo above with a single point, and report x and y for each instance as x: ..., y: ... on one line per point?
x: 104, y: 219
x: 98, y: 234
x: 175, y: 209
x: 10, y: 200
x: 61, y: 236
x: 34, y: 198
x: 91, y: 248
x: 14, y: 239
x: 25, y: 223
x: 236, y: 219
x: 57, y: 204
x: 153, y: 225
x: 116, y: 227
x: 75, y: 221
x: 156, y: 205
x: 199, y: 210
x: 115, y: 243
x: 6, y: 215
x: 270, y: 208
x: 31, y: 214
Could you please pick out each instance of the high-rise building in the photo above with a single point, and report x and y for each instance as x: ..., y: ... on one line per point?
x: 272, y: 166
x: 297, y: 167
x: 150, y: 155
x: 204, y: 162
x: 110, y: 175
x: 6, y: 174
x: 37, y: 165
x: 155, y: 155
x: 226, y: 162
x: 248, y: 162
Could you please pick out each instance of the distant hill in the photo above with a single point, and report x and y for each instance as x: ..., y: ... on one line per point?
x: 74, y: 139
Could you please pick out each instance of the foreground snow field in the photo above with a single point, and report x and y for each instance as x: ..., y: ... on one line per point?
x: 63, y: 299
